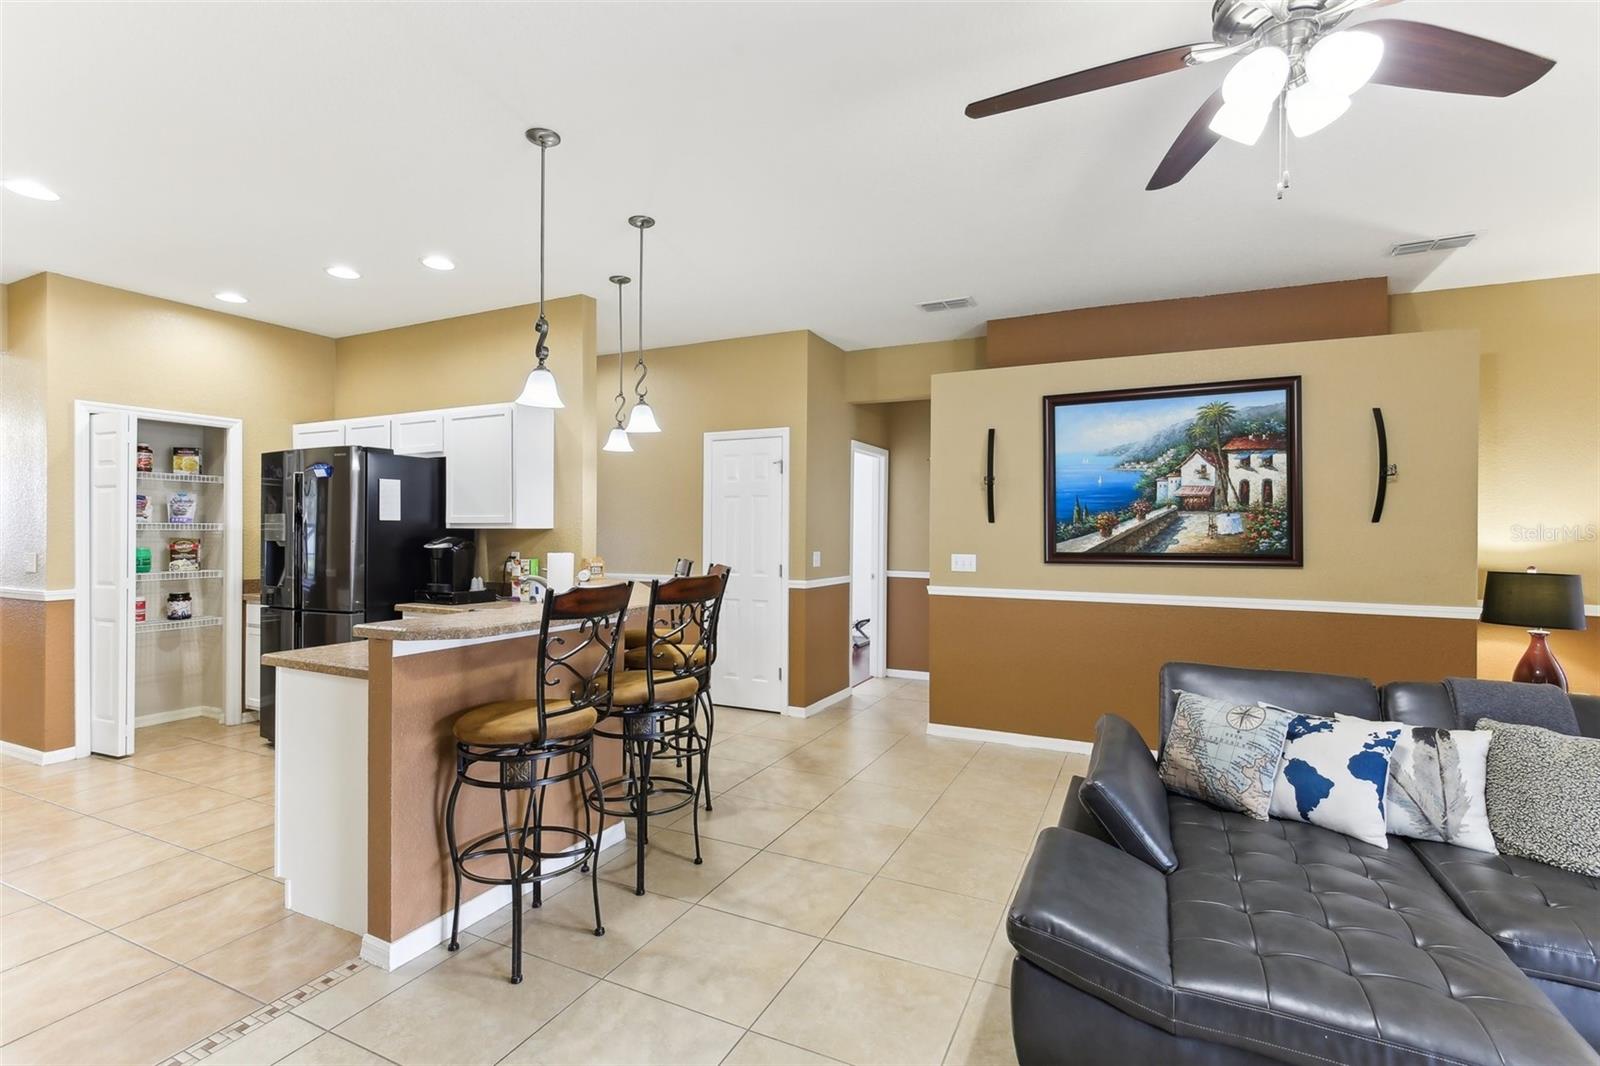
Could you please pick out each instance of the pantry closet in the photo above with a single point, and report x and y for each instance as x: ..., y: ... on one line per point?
x: 159, y: 572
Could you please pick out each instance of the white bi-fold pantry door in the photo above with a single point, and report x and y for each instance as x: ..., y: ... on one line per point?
x: 111, y: 462
x: 746, y: 527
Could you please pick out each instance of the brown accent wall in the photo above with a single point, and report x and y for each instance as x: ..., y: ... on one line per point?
x: 1269, y: 316
x: 819, y: 643
x: 411, y: 703
x: 1052, y: 668
x: 36, y: 674
x: 908, y: 623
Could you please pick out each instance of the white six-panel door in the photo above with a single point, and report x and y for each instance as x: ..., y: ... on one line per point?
x: 111, y: 442
x: 746, y: 514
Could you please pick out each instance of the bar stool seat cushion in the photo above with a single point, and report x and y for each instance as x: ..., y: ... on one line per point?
x: 668, y: 656
x: 633, y: 690
x: 517, y: 722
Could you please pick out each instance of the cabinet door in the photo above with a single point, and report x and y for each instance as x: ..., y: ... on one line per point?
x: 418, y: 433
x: 367, y: 432
x: 478, y: 456
x: 318, y: 434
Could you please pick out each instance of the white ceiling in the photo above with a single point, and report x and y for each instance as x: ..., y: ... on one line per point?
x: 809, y: 165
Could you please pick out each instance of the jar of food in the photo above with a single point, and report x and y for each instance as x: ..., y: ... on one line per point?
x: 183, y: 554
x: 138, y: 608
x: 141, y: 507
x: 144, y: 458
x: 186, y: 460
x: 180, y: 606
x: 141, y: 560
x: 181, y: 507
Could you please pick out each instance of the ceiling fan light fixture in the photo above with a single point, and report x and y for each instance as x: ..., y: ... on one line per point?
x: 1256, y: 80
x: 1343, y: 62
x: 1311, y: 106
x: 1241, y: 122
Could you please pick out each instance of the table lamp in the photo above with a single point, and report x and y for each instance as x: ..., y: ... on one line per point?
x: 1538, y: 603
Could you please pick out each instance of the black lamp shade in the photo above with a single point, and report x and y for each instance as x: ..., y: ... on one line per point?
x: 1533, y: 600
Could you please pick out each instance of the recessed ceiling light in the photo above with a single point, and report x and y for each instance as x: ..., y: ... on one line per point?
x: 30, y: 188
x: 230, y: 297
x: 344, y: 273
x: 438, y: 262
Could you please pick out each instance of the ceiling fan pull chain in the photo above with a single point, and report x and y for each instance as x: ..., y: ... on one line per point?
x: 1283, y: 147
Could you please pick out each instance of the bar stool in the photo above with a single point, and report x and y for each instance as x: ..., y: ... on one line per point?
x: 655, y: 709
x: 513, y: 744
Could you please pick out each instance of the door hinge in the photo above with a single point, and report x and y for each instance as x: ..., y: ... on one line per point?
x: 780, y: 571
x: 780, y: 673
x: 779, y: 464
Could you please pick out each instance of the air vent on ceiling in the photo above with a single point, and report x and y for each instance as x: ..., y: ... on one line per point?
x: 949, y: 305
x: 1436, y: 244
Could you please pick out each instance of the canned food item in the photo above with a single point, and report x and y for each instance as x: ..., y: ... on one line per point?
x: 181, y: 507
x: 144, y: 458
x: 186, y: 460
x: 141, y: 560
x: 183, y: 554
x: 138, y: 608
x: 180, y: 606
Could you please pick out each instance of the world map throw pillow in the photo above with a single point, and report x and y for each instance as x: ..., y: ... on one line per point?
x: 1224, y: 753
x: 1436, y: 787
x: 1335, y: 772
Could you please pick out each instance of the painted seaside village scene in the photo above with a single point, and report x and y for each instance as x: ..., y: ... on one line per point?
x: 1174, y: 475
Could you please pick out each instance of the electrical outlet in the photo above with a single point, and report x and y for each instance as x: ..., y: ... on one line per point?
x: 816, y: 558
x: 964, y: 564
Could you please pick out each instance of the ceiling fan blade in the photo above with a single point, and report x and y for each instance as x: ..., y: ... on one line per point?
x: 1193, y: 142
x: 1084, y: 81
x: 1419, y: 56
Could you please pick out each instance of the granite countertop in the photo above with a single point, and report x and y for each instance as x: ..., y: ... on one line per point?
x: 451, y: 608
x: 346, y: 660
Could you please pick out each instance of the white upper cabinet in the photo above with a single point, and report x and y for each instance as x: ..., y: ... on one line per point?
x: 499, y: 467
x: 418, y: 433
x: 499, y: 458
x: 367, y: 432
x: 319, y: 434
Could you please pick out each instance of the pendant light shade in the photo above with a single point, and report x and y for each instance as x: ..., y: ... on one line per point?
x: 643, y: 419
x: 540, y: 388
x: 617, y: 441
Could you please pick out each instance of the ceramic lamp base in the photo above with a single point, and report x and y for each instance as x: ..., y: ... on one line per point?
x: 1538, y: 665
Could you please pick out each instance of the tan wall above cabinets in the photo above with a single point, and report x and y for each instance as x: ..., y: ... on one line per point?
x: 909, y: 471
x: 905, y: 371
x: 1269, y: 316
x: 1422, y: 555
x: 482, y: 359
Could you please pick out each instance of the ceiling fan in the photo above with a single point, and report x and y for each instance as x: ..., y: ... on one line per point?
x: 1294, y: 59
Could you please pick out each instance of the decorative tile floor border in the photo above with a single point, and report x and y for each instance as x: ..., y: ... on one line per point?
x: 251, y: 1022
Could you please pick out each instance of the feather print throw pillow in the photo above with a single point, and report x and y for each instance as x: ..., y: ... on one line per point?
x: 1436, y: 787
x: 1335, y: 773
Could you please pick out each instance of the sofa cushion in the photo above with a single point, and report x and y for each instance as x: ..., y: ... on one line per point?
x: 1324, y: 694
x: 1547, y: 920
x: 1436, y: 787
x: 1224, y: 753
x: 1312, y: 946
x: 1334, y: 773
x: 1123, y: 791
x: 1543, y: 794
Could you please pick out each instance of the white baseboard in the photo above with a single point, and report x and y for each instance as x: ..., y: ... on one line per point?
x: 393, y: 954
x: 1018, y: 740
x: 177, y: 714
x: 35, y: 756
x: 821, y: 705
x: 909, y: 675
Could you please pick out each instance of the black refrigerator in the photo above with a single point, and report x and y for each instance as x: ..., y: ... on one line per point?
x: 342, y: 531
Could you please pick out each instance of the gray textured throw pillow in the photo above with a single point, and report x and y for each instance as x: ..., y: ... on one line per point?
x: 1543, y: 794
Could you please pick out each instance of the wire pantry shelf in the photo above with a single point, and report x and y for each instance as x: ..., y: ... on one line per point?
x: 186, y: 623
x: 193, y: 479
x: 180, y: 527
x: 179, y: 575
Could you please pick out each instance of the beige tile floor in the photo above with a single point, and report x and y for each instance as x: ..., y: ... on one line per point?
x: 848, y: 910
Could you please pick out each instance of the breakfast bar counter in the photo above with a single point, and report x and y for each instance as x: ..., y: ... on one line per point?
x: 366, y: 757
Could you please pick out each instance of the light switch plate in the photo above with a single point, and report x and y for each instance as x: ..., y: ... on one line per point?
x: 816, y: 558
x: 964, y: 564
x: 30, y: 562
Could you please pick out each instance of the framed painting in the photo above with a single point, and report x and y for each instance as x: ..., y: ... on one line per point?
x: 1186, y: 474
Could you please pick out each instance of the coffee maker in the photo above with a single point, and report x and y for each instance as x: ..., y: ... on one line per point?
x: 450, y: 572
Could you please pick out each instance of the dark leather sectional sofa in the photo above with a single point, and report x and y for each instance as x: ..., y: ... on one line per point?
x: 1185, y: 934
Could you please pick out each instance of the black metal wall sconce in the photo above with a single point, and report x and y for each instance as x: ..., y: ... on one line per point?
x: 988, y: 477
x: 1387, y: 471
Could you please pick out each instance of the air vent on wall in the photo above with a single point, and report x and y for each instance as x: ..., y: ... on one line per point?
x: 1436, y: 244
x: 949, y: 305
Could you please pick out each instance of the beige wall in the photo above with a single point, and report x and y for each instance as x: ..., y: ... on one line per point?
x: 484, y: 358
x: 832, y: 422
x: 120, y: 347
x: 1423, y: 552
x: 905, y: 371
x: 909, y: 473
x: 650, y: 502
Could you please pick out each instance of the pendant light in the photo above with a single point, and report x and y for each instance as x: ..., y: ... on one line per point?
x: 643, y: 419
x: 617, y: 440
x: 540, y: 388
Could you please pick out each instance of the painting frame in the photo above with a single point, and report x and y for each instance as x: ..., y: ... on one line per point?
x: 1293, y: 508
